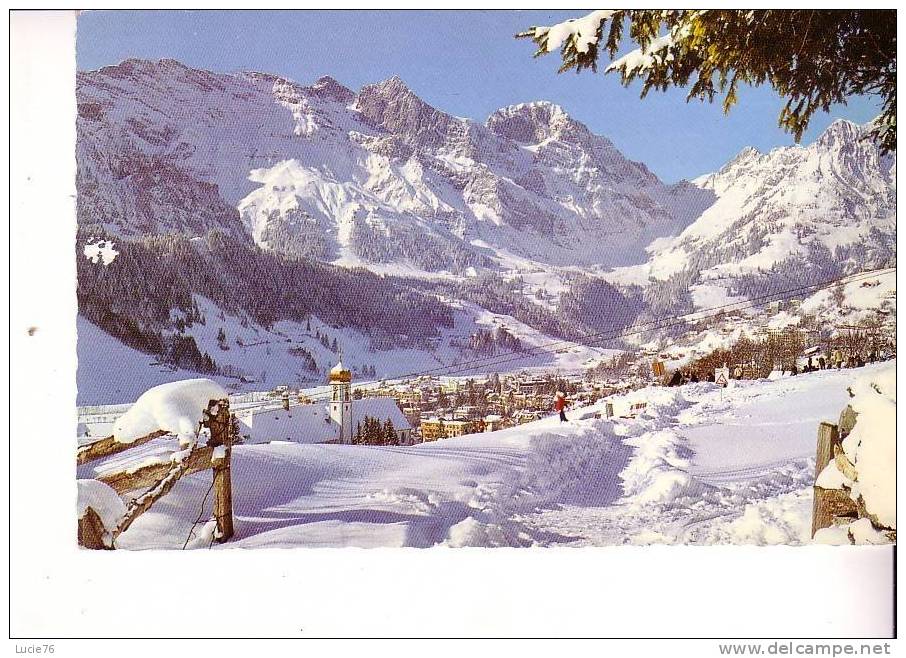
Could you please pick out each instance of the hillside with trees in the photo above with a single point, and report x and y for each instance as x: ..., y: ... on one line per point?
x: 145, y: 297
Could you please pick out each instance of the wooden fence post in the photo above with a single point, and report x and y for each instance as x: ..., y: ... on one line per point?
x: 828, y: 435
x: 92, y: 531
x: 221, y: 426
x: 163, y: 476
x: 828, y: 503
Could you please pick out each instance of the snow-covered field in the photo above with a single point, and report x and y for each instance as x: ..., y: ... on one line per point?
x: 699, y: 465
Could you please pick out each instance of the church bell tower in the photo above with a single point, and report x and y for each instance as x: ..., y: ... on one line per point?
x: 340, y: 380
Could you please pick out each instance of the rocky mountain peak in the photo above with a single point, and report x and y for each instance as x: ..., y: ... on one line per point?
x: 328, y: 88
x: 530, y: 123
x: 746, y: 155
x: 166, y: 148
x: 391, y: 105
x: 134, y: 67
x: 840, y: 132
x: 392, y: 88
x: 394, y: 83
x: 842, y: 127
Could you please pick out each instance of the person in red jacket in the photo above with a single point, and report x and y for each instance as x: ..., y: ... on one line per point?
x: 560, y: 405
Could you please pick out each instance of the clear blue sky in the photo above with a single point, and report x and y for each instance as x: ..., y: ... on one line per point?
x: 465, y: 63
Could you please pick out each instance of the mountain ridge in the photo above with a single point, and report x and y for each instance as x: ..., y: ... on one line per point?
x: 470, y: 181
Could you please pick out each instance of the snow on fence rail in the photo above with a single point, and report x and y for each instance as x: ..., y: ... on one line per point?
x: 103, y: 517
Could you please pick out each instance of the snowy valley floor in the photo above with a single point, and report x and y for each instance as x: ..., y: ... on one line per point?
x: 699, y: 465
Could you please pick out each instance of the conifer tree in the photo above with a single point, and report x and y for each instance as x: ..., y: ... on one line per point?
x: 390, y: 436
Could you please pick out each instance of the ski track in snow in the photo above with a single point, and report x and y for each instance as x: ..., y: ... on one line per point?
x: 699, y: 465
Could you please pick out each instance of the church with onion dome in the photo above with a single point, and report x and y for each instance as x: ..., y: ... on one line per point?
x: 335, y: 422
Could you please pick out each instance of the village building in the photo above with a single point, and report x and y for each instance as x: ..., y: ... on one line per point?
x: 533, y: 386
x: 413, y: 414
x: 445, y: 428
x: 493, y: 422
x: 466, y: 412
x: 454, y: 428
x: 432, y: 429
x: 335, y: 422
x: 529, y: 401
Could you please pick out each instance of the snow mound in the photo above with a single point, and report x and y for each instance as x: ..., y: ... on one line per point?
x: 413, y: 500
x: 102, y: 499
x: 177, y: 407
x: 784, y: 519
x: 472, y: 532
x: 659, y: 400
x: 859, y: 532
x: 205, y: 537
x: 647, y: 537
x: 659, y: 470
x: 831, y: 477
x: 863, y: 532
x: 834, y: 535
x: 572, y: 469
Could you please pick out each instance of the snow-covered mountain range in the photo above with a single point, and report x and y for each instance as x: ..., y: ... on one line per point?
x: 377, y: 176
x: 380, y: 179
x: 820, y: 210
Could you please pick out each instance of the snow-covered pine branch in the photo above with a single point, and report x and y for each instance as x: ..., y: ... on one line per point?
x: 715, y: 50
x: 577, y: 33
x: 642, y: 59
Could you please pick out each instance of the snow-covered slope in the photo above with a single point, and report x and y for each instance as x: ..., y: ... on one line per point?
x: 699, y: 465
x: 110, y: 372
x: 375, y: 177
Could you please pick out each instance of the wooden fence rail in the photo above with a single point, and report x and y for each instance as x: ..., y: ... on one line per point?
x: 160, y: 478
x: 110, y: 446
x: 146, y: 476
